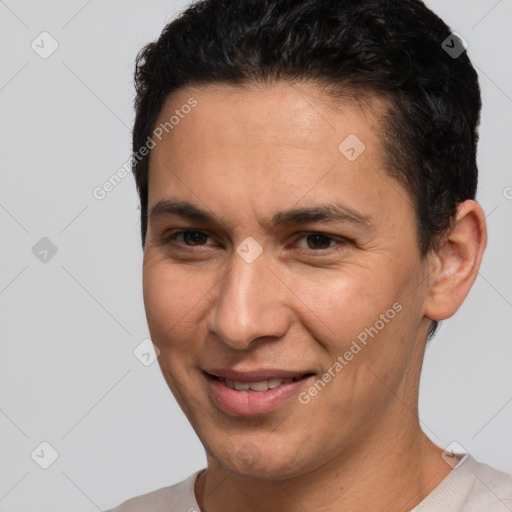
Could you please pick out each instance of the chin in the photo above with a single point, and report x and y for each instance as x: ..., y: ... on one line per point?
x: 261, y: 460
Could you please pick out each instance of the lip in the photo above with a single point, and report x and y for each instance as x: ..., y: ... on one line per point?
x: 255, y: 375
x: 253, y: 403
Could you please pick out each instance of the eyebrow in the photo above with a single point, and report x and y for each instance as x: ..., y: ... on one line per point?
x: 330, y: 213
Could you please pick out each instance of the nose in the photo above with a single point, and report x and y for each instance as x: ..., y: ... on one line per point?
x: 250, y: 304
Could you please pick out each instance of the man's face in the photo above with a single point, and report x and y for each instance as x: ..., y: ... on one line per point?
x: 262, y: 295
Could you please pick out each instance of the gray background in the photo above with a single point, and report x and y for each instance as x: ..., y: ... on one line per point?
x: 69, y: 326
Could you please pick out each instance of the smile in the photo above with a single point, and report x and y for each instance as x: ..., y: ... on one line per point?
x: 259, y: 386
x: 251, y: 394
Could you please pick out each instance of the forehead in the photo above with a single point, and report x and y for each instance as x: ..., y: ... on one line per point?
x: 300, y: 112
x: 278, y: 143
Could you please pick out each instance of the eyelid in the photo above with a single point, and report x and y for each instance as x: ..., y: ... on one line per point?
x: 169, y: 237
x: 340, y: 240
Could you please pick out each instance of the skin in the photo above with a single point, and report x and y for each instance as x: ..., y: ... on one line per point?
x: 243, y: 154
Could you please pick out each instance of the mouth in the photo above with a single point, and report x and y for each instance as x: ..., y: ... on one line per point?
x: 258, y: 386
x: 253, y: 393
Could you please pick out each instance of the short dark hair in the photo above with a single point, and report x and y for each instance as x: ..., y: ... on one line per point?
x: 386, y: 48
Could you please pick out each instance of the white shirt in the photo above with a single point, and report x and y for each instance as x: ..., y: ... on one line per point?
x: 470, y: 487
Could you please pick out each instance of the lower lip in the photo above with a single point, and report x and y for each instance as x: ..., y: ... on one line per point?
x: 252, y: 403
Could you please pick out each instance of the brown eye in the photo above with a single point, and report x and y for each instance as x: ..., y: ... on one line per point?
x: 318, y: 241
x: 319, y: 244
x: 194, y: 237
x: 189, y: 238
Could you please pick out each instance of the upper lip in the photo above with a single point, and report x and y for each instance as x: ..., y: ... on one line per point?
x: 255, y: 375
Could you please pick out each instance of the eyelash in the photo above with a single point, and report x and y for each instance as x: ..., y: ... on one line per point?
x: 171, y: 238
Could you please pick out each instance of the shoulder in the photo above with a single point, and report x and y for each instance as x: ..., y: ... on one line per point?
x: 470, y: 487
x: 491, y: 488
x: 174, y: 498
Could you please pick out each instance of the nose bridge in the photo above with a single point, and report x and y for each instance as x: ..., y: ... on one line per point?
x: 249, y: 303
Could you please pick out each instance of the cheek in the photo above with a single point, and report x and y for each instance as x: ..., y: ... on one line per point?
x: 173, y: 303
x: 173, y: 300
x: 341, y: 304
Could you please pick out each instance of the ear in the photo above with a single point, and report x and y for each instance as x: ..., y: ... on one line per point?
x: 456, y: 262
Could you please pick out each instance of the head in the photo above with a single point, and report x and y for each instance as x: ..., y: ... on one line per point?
x: 261, y: 118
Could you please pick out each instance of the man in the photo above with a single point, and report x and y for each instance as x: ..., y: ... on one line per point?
x: 307, y: 174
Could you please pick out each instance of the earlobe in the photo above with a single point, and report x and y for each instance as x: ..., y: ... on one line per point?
x: 457, y: 262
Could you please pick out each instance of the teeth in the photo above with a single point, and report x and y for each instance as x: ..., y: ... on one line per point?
x: 273, y: 383
x: 262, y: 385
